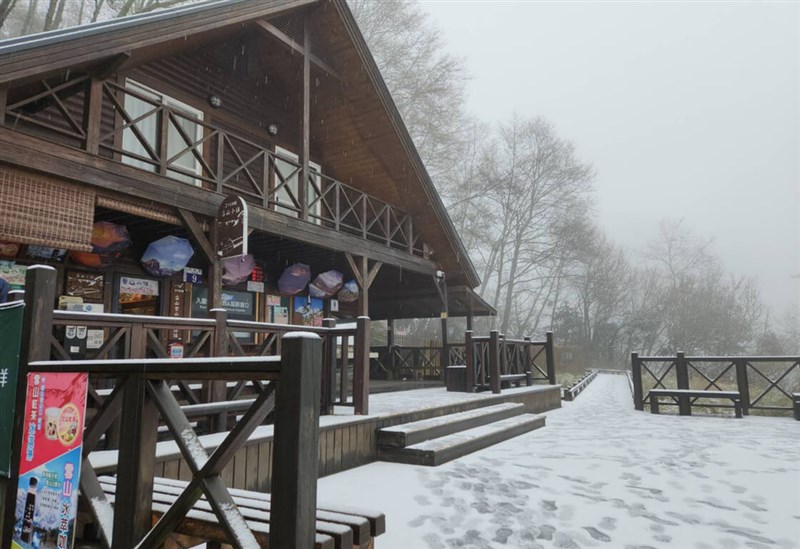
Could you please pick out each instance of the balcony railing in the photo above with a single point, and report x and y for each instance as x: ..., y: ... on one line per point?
x: 132, y: 127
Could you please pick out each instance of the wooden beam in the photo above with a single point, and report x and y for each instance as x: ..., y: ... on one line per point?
x: 114, y: 65
x: 354, y: 268
x: 196, y: 230
x: 373, y: 272
x: 287, y: 40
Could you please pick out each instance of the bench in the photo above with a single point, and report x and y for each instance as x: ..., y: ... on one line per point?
x: 337, y: 526
x: 507, y: 379
x: 796, y: 405
x: 655, y: 394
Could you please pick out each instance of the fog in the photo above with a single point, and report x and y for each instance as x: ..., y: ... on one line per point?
x: 687, y: 110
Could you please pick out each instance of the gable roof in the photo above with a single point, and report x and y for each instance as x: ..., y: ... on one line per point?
x: 89, y: 45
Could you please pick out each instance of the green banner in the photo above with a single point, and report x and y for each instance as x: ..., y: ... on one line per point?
x: 10, y: 334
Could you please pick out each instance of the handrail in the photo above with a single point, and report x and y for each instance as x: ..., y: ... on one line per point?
x: 760, y: 388
x: 219, y: 160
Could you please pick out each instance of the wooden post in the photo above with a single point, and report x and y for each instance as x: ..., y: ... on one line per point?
x: 743, y: 384
x: 328, y: 368
x: 390, y: 347
x: 93, y: 105
x: 361, y: 367
x: 469, y: 359
x: 135, y: 465
x: 551, y: 359
x: 636, y: 374
x: 295, y: 457
x: 37, y: 328
x: 344, y: 361
x: 528, y: 371
x: 494, y: 361
x: 216, y: 391
x: 682, y: 375
x: 302, y: 187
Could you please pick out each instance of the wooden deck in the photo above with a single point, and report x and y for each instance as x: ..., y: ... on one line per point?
x: 345, y: 441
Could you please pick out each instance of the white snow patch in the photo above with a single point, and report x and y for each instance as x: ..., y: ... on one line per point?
x: 300, y: 335
x: 600, y: 474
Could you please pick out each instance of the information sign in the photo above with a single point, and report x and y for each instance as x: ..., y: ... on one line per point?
x: 232, y: 227
x: 50, y: 461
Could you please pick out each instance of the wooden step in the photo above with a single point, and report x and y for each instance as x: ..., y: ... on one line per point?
x: 443, y: 449
x: 415, y: 432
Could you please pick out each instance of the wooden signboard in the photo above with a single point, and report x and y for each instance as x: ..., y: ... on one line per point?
x: 231, y: 228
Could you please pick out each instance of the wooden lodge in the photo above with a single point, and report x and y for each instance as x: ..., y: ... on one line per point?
x: 151, y: 121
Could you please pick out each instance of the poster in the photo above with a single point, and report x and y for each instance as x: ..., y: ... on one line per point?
x: 308, y: 311
x: 13, y: 273
x: 49, y: 471
x: 89, y: 286
x: 10, y: 333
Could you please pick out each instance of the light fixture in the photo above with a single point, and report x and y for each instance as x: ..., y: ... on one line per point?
x: 215, y: 101
x: 272, y: 129
x: 440, y: 276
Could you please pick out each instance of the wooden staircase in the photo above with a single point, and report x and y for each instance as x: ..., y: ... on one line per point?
x: 441, y: 439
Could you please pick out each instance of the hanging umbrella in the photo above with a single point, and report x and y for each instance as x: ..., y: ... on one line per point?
x: 166, y: 256
x: 349, y: 292
x: 294, y: 279
x: 237, y: 269
x: 109, y: 240
x: 326, y: 284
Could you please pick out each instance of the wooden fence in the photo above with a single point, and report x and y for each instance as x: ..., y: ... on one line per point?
x: 494, y: 360
x: 765, y: 382
x: 142, y: 393
x: 577, y: 388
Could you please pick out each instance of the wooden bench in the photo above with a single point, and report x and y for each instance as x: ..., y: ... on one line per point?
x: 796, y: 405
x: 687, y: 394
x: 507, y: 379
x: 337, y: 526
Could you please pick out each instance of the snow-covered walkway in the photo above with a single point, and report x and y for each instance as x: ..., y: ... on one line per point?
x: 598, y: 475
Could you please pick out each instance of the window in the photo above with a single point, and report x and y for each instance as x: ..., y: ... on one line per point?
x: 142, y: 144
x: 287, y: 196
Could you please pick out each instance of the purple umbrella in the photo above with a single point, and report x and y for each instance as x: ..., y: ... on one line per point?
x: 167, y: 256
x: 294, y: 279
x: 326, y: 284
x: 237, y: 269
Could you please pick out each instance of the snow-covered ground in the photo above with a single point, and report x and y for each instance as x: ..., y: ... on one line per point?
x: 598, y: 475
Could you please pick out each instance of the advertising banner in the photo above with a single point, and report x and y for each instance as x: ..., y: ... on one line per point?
x: 10, y: 333
x: 49, y: 472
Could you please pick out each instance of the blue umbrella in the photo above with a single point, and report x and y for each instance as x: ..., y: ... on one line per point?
x: 167, y: 256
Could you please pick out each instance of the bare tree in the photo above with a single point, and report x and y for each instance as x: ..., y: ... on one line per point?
x: 426, y: 83
x: 536, y: 180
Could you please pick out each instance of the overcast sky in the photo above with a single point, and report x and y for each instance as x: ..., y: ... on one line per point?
x: 687, y: 110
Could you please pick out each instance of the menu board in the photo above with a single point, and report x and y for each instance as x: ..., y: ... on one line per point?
x: 89, y: 286
x: 50, y: 461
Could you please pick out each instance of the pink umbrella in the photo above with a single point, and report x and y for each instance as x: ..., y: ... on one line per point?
x: 237, y: 269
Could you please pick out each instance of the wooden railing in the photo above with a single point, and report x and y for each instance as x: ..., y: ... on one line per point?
x: 569, y: 393
x: 493, y: 359
x: 409, y: 362
x: 142, y: 394
x: 96, y: 116
x: 765, y: 382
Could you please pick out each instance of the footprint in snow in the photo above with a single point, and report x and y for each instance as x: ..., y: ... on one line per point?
x: 597, y: 534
